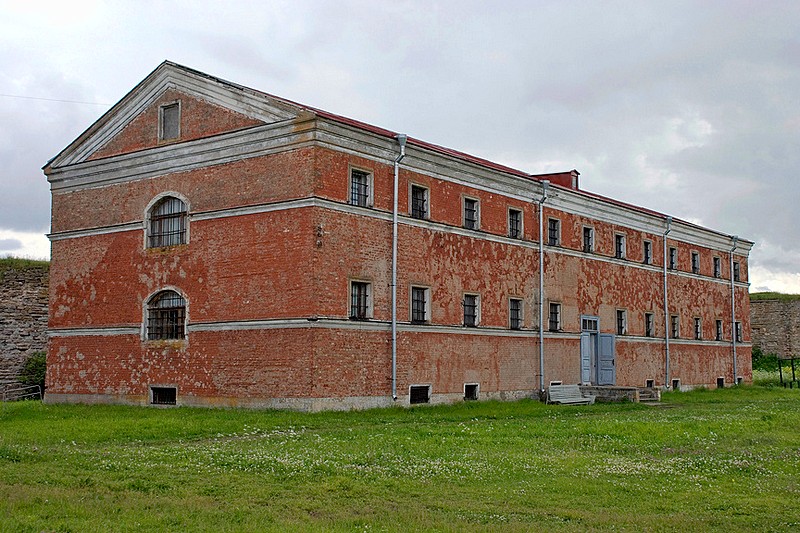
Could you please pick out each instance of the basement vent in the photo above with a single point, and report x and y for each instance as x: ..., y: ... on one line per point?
x: 419, y: 394
x: 676, y: 384
x: 739, y: 380
x: 720, y: 383
x: 470, y: 391
x: 650, y: 383
x: 163, y: 395
x: 555, y: 383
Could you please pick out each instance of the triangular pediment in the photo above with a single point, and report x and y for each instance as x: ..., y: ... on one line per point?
x: 208, y: 106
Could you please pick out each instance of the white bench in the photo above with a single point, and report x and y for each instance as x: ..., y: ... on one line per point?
x: 568, y: 395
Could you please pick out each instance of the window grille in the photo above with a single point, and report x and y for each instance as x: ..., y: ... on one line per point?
x: 698, y: 329
x: 621, y: 322
x: 359, y: 300
x: 515, y: 313
x: 419, y: 202
x: 515, y: 224
x: 738, y: 332
x: 470, y: 310
x: 588, y: 239
x: 719, y: 330
x: 673, y: 258
x: 419, y: 305
x: 164, y: 395
x: 166, y: 315
x: 470, y: 213
x: 619, y: 246
x: 359, y: 188
x: 168, y: 223
x: 555, y: 317
x: 553, y: 231
x: 419, y: 394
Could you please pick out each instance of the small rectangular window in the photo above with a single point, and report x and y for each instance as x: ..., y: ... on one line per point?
x: 622, y: 322
x: 470, y: 310
x: 648, y: 325
x: 359, y: 188
x: 720, y: 382
x: 515, y: 313
x: 515, y: 223
x: 648, y: 253
x: 470, y: 391
x: 619, y: 246
x: 736, y: 271
x: 738, y: 332
x: 419, y: 202
x: 553, y: 232
x: 676, y: 385
x: 588, y: 239
x: 718, y: 334
x: 163, y: 395
x: 698, y: 329
x: 419, y: 394
x: 674, y: 326
x: 650, y: 383
x: 360, y: 300
x: 471, y: 213
x: 419, y: 305
x: 717, y: 267
x: 554, y: 321
x: 673, y: 258
x: 695, y: 263
x: 170, y: 123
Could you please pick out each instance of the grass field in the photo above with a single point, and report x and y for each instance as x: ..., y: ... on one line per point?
x: 706, y: 460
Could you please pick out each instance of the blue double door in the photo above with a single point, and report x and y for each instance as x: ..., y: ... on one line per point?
x: 598, y: 355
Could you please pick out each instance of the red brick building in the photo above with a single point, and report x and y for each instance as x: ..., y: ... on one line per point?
x: 216, y: 245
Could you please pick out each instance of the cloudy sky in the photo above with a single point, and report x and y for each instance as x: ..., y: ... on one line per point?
x: 688, y: 108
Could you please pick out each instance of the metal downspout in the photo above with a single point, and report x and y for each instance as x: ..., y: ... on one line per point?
x: 666, y: 308
x: 735, y: 240
x: 545, y: 185
x: 401, y: 140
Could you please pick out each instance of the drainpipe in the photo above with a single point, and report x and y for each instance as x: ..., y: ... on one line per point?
x: 545, y: 185
x: 735, y: 239
x: 666, y: 308
x: 401, y: 140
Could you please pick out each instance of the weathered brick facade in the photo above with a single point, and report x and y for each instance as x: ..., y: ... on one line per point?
x: 275, y: 246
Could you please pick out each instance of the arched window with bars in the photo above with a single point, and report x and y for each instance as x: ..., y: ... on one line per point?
x: 166, y: 316
x: 167, y: 223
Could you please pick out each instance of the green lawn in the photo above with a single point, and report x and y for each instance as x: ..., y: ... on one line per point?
x: 707, y: 460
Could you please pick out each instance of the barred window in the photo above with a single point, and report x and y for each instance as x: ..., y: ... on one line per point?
x: 555, y: 317
x: 419, y: 202
x: 718, y: 335
x: 515, y: 313
x: 738, y: 328
x: 515, y: 223
x: 359, y: 300
x: 648, y: 325
x: 698, y: 329
x: 588, y: 240
x: 553, y: 232
x: 167, y: 225
x: 470, y: 310
x: 619, y: 246
x: 419, y: 305
x: 673, y: 258
x: 166, y: 316
x: 648, y: 252
x: 359, y: 187
x: 470, y: 213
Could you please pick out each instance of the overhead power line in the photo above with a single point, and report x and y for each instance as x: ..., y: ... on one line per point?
x: 53, y: 100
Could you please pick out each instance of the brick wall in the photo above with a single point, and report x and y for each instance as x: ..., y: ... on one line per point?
x: 776, y: 326
x: 23, y: 318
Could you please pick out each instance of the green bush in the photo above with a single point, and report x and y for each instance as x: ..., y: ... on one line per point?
x: 764, y: 361
x: 34, y: 369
